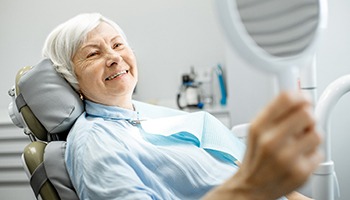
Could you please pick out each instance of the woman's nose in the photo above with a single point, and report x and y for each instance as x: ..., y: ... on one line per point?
x: 113, y: 57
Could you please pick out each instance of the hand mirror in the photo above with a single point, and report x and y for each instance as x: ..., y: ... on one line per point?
x: 275, y: 35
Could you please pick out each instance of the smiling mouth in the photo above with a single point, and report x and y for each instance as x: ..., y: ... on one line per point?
x: 116, y: 75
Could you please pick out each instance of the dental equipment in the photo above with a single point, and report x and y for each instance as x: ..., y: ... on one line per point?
x: 325, y: 181
x: 281, y: 36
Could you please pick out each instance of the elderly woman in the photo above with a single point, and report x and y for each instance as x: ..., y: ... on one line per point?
x: 111, y: 154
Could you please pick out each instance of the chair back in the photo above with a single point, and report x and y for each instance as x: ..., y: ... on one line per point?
x: 45, y: 106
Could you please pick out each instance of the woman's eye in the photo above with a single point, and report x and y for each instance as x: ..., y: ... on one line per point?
x: 91, y: 54
x: 117, y: 45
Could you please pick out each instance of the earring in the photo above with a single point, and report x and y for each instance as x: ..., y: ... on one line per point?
x: 81, y: 96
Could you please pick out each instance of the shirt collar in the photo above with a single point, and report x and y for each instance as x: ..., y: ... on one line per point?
x: 110, y: 112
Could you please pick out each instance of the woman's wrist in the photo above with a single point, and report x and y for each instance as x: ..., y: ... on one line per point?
x: 237, y: 187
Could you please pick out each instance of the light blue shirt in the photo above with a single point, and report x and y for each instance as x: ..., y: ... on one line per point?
x: 109, y: 156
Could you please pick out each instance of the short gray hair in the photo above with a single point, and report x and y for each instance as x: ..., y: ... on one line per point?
x: 63, y: 42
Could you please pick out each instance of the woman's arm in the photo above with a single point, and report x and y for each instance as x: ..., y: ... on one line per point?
x: 282, y: 152
x: 297, y: 196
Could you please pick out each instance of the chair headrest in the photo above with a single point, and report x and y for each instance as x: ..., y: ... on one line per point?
x: 45, y: 100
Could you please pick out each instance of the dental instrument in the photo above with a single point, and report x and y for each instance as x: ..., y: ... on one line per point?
x: 219, y: 73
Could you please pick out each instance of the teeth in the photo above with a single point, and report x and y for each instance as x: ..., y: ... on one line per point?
x: 116, y: 75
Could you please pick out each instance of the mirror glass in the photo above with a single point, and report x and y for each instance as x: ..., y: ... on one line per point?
x: 283, y: 28
x: 279, y: 36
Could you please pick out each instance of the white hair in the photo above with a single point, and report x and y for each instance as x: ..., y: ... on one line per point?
x: 63, y: 42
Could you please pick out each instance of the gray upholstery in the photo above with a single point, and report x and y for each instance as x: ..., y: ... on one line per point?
x: 56, y: 170
x: 49, y: 106
x: 50, y: 98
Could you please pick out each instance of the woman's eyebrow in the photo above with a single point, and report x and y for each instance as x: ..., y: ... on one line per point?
x: 89, y: 45
x: 96, y: 45
x: 116, y: 37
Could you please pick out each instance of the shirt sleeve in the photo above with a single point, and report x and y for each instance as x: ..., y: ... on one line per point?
x: 103, y: 168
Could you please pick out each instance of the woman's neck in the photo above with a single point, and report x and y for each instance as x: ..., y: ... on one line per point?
x: 125, y: 103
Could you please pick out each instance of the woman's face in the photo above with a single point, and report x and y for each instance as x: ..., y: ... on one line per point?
x: 105, y: 67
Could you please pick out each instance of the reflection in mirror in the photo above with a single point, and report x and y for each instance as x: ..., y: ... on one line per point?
x: 279, y: 36
x: 286, y: 30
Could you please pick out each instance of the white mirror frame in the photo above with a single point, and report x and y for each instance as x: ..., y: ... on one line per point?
x: 286, y: 68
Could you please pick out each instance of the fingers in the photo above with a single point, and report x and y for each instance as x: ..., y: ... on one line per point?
x: 282, y: 145
x: 308, y: 143
x: 307, y: 153
x: 300, y: 157
x: 301, y: 147
x: 302, y: 168
x: 282, y: 106
x: 291, y: 120
x: 290, y: 114
x: 296, y: 124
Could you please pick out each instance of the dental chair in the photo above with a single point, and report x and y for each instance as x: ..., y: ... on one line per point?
x: 45, y: 106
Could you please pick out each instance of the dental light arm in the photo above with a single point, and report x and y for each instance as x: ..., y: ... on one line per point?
x: 325, y: 106
x: 324, y: 176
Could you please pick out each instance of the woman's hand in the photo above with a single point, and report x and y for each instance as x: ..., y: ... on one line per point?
x: 282, y: 151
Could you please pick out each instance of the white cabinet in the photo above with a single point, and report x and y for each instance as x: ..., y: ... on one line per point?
x: 220, y: 112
